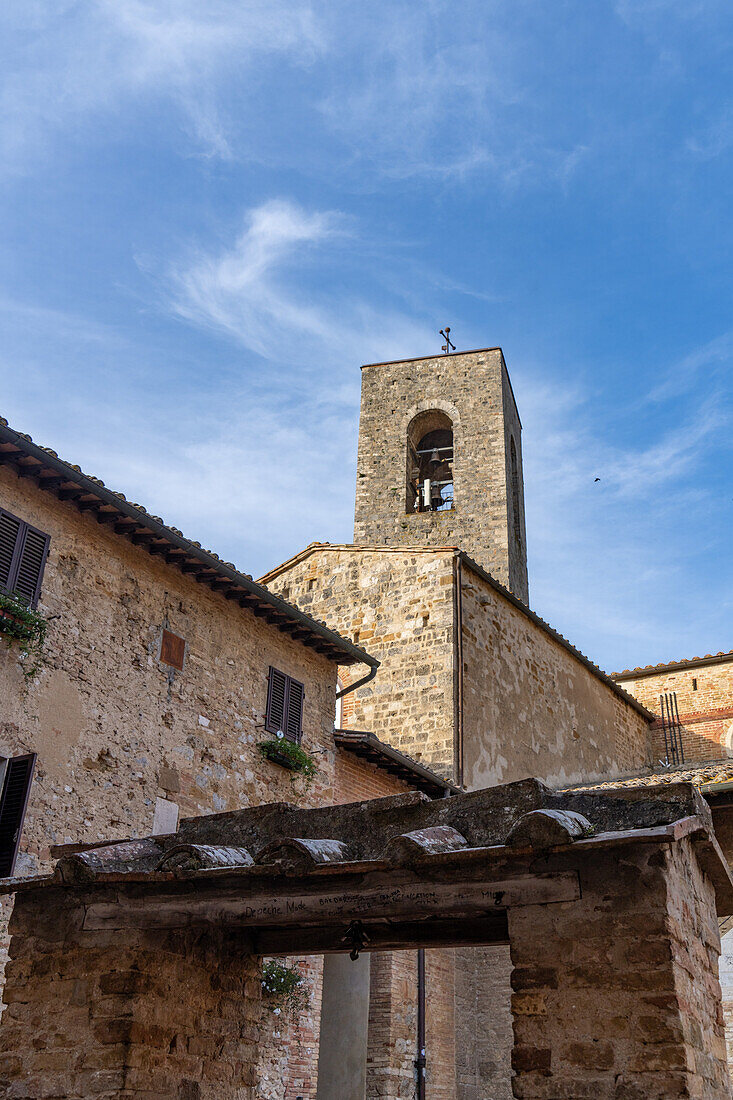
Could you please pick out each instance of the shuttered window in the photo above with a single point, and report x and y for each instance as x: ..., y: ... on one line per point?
x: 13, y: 801
x: 284, y: 705
x: 23, y: 552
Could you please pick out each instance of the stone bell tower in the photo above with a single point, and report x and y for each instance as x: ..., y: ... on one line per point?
x: 440, y: 460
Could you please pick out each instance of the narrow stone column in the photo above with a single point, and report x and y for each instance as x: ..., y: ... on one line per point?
x: 124, y: 1014
x: 616, y: 996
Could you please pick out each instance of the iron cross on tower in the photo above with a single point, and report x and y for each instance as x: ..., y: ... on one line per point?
x: 447, y: 346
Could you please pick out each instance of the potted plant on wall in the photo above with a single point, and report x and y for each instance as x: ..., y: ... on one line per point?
x: 281, y: 750
x: 20, y: 623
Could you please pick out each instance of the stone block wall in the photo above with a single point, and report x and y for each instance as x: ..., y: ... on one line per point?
x: 473, y: 389
x: 529, y: 706
x: 532, y: 709
x: 616, y: 996
x: 170, y: 1015
x: 399, y: 605
x: 705, y: 702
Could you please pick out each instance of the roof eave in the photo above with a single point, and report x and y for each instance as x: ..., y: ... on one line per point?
x: 112, y: 509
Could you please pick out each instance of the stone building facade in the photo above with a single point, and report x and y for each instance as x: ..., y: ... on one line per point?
x: 469, y: 395
x: 471, y: 682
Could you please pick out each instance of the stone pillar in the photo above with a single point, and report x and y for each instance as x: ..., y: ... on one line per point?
x: 124, y: 1014
x: 616, y: 996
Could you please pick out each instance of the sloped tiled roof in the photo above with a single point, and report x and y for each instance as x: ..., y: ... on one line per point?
x: 132, y: 522
x: 670, y: 666
x: 703, y: 775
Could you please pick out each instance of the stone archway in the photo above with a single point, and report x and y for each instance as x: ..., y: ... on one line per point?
x: 134, y: 968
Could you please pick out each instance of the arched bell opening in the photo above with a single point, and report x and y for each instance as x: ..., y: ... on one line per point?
x: 430, y: 462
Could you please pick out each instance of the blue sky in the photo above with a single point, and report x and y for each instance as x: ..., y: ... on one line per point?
x: 213, y: 213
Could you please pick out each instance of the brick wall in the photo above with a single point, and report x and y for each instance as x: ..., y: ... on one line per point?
x: 392, y: 1043
x: 474, y: 391
x: 705, y: 702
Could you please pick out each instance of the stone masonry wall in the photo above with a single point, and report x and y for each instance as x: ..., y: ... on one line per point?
x: 116, y: 731
x: 705, y: 702
x: 399, y: 605
x: 616, y: 996
x: 84, y: 1014
x: 530, y: 708
x: 473, y: 389
x: 112, y: 726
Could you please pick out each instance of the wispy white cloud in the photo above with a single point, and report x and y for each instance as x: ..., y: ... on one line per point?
x: 713, y: 359
x: 70, y: 62
x: 248, y: 291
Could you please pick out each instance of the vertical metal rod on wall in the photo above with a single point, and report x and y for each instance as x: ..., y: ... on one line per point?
x: 679, y: 727
x: 420, y: 1059
x: 664, y: 731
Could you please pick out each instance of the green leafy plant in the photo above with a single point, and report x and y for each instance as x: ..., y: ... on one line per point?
x: 284, y: 987
x: 280, y: 750
x: 19, y: 623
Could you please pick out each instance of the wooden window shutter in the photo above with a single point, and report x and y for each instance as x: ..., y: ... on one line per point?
x: 23, y: 553
x: 172, y: 650
x: 277, y: 690
x: 294, y: 726
x: 13, y: 803
x: 9, y: 531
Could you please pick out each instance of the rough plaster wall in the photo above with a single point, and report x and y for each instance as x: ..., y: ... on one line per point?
x: 470, y: 388
x: 484, y: 1037
x: 399, y: 606
x: 530, y: 708
x: 113, y: 728
x: 706, y: 713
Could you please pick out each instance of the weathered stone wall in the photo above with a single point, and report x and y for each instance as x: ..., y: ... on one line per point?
x: 616, y: 995
x: 532, y: 709
x: 392, y: 1041
x: 473, y: 389
x: 112, y: 726
x: 115, y: 730
x: 705, y: 702
x: 399, y: 605
x: 84, y: 1014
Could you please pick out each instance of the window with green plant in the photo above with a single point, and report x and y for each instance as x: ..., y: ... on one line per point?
x: 23, y: 553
